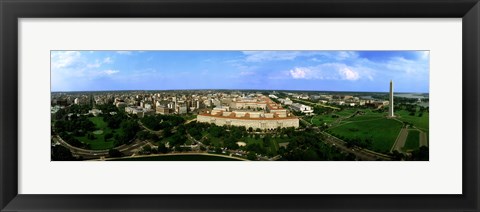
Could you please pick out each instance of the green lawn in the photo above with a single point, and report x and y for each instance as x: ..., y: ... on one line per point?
x: 346, y: 112
x: 412, y: 140
x: 273, y: 146
x: 98, y: 143
x: 318, y: 120
x: 368, y: 115
x: 382, y: 131
x: 250, y: 140
x: 99, y: 123
x: 419, y: 122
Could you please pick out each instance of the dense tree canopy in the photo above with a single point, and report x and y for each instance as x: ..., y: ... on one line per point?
x: 158, y: 121
x: 61, y: 153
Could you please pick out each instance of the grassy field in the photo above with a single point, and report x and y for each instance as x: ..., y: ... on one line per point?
x: 368, y: 116
x: 273, y: 145
x: 381, y: 130
x: 250, y: 140
x: 318, y: 120
x: 179, y: 158
x: 419, y: 122
x: 346, y: 112
x: 412, y: 140
x: 372, y: 125
x: 99, y: 143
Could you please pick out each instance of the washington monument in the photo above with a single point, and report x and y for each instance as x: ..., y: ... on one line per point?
x: 390, y: 109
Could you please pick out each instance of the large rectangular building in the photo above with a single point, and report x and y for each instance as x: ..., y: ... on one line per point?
x: 260, y: 113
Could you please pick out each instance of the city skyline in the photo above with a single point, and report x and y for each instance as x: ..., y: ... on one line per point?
x: 352, y: 71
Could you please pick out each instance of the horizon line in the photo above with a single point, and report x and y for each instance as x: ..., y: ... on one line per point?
x: 234, y: 89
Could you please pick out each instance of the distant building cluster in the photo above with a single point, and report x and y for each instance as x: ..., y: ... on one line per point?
x: 258, y: 112
x: 333, y: 99
x: 149, y: 104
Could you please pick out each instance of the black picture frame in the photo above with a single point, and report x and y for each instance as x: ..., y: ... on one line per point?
x: 12, y: 10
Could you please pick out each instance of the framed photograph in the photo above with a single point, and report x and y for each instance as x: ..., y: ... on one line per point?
x: 135, y: 106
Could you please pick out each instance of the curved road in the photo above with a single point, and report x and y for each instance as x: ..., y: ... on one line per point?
x: 87, y: 153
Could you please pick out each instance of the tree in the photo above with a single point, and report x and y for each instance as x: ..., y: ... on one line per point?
x: 107, y: 136
x: 143, y: 135
x: 147, y: 149
x: 195, y: 133
x: 177, y: 139
x: 310, y: 155
x: 216, y: 131
x: 114, y: 153
x: 90, y: 136
x: 266, y: 141
x: 206, y: 141
x: 61, y: 153
x: 397, y: 155
x: 162, y: 148
x: 421, y: 154
x: 251, y: 155
x: 130, y: 128
x: 167, y: 132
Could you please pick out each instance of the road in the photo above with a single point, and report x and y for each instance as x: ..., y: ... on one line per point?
x: 87, y: 153
x: 159, y: 132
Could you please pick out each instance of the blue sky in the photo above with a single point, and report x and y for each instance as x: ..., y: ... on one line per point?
x: 269, y: 70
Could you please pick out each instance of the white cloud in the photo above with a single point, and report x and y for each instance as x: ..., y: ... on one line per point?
x: 247, y: 73
x: 401, y: 64
x: 349, y: 74
x: 97, y: 64
x: 300, y: 73
x: 64, y: 59
x: 110, y: 72
x: 124, y: 52
x: 107, y: 60
x: 344, y: 55
x: 397, y: 67
x: 260, y: 56
x: 74, y: 66
x: 329, y: 71
x: 424, y: 55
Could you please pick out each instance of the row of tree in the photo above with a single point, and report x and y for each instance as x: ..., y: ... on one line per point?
x: 79, y: 125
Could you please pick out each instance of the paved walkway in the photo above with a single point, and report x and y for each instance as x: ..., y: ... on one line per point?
x: 401, y: 139
x: 423, y: 139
